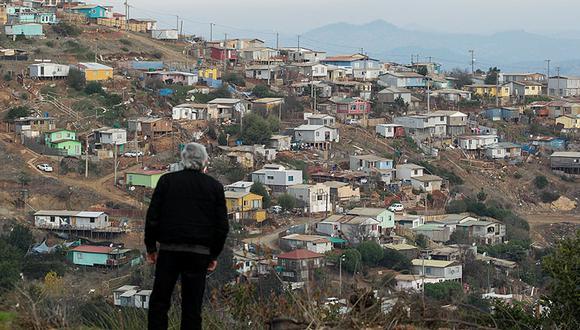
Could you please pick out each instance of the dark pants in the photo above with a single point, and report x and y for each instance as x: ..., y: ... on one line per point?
x: 192, y: 268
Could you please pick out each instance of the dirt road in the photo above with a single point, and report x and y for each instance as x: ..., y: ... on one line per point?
x: 271, y: 239
x: 169, y: 54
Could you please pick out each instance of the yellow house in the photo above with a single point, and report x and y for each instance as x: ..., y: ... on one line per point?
x: 245, y: 206
x: 488, y: 90
x: 95, y: 71
x: 569, y: 122
x: 208, y: 73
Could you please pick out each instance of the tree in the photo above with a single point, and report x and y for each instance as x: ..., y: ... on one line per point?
x: 10, y: 264
x: 371, y: 252
x: 395, y: 260
x: 447, y: 291
x: 274, y: 123
x: 259, y: 189
x: 481, y: 195
x: 400, y: 104
x: 563, y: 267
x: 287, y: 202
x: 422, y: 241
x: 234, y: 78
x: 352, y: 260
x: 458, y: 237
x: 75, y: 79
x: 222, y: 139
x: 256, y: 130
x: 492, y: 76
x: 541, y: 182
x: 260, y: 91
x: 17, y: 112
x: 21, y: 238
x: 94, y: 87
x: 66, y: 30
x: 462, y: 78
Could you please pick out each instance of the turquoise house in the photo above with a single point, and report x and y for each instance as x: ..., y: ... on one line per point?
x: 385, y: 217
x: 88, y: 255
x: 92, y: 11
x: 27, y: 30
x: 63, y: 139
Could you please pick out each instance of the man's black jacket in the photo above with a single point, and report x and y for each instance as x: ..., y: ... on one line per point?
x: 187, y: 208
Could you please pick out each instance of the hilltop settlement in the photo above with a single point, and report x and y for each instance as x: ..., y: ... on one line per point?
x: 353, y: 184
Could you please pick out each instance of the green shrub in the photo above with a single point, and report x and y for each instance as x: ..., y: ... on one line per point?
x: 66, y: 30
x: 549, y: 197
x: 541, y: 182
x: 125, y: 42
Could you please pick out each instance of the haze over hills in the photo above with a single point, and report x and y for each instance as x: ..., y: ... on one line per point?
x: 509, y: 50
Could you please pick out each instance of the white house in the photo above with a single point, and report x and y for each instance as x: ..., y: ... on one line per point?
x: 48, y: 70
x: 226, y: 108
x: 314, y: 243
x: 452, y: 95
x: 390, y: 94
x: 106, y: 135
x: 258, y: 54
x: 314, y: 197
x: 304, y: 55
x: 350, y: 227
x: 277, y: 177
x: 408, y: 221
x: 164, y: 34
x: 388, y: 130
x: 448, y: 270
x: 407, y: 171
x: 239, y: 186
x: 503, y: 150
x: 317, y: 136
x: 281, y: 142
x: 320, y: 119
x: 423, y: 125
x: 372, y: 164
x: 84, y: 220
x: 564, y: 86
x: 427, y: 183
x: 131, y: 296
x: 191, y: 111
x: 262, y: 72
x: 410, y: 282
x: 475, y: 142
x: 407, y: 79
x: 310, y: 69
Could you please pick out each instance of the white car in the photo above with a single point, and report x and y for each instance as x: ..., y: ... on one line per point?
x: 44, y: 167
x: 133, y: 154
x: 351, y: 122
x: 396, y: 207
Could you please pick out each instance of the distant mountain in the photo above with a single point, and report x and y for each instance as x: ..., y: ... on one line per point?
x: 509, y: 50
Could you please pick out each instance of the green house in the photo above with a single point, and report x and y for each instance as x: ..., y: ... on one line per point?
x: 146, y: 179
x: 87, y: 255
x: 63, y: 139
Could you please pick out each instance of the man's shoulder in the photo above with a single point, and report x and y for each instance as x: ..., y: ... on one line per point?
x: 178, y: 175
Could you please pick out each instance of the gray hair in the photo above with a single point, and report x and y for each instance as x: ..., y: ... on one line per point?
x: 194, y: 156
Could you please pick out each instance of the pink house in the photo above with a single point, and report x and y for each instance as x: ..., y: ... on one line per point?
x: 221, y: 53
x: 352, y: 107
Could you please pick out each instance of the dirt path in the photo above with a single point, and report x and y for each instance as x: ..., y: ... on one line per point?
x: 271, y: 239
x: 169, y: 54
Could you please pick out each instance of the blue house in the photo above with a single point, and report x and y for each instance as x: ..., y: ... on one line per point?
x: 27, y: 30
x: 93, y: 11
x: 146, y: 65
x: 507, y: 114
x: 87, y: 255
x: 549, y: 143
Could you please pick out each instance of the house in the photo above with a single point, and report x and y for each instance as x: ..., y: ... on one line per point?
x: 368, y: 163
x: 95, y: 71
x: 258, y: 54
x: 522, y: 77
x: 277, y: 177
x: 238, y: 44
x: 406, y: 171
x: 320, y: 119
x: 452, y: 95
x: 451, y: 220
x: 48, y: 70
x: 239, y: 186
x: 262, y: 72
x: 569, y: 122
x: 448, y: 270
x: 268, y: 105
x: 484, y: 232
x: 559, y: 108
x: 427, y: 183
x: 88, y: 255
x: 165, y: 34
x: 341, y: 192
x: 27, y: 30
x: 390, y: 130
x: 565, y: 161
x: 353, y: 228
x: 219, y: 53
x: 323, y: 90
x: 142, y: 25
x: 145, y: 65
x: 352, y: 108
x: 408, y: 250
x: 226, y: 108
x: 385, y: 218
x: 281, y: 142
x: 65, y: 140
x: 107, y: 135
x: 192, y: 111
x: 408, y: 221
x: 34, y: 126
x: 521, y: 89
x: 298, y: 266
x: 314, y: 70
x: 248, y: 156
x: 495, y: 114
x: 425, y: 125
x: 93, y: 11
x: 245, y: 206
x: 548, y: 143
x: 503, y: 150
x: 150, y: 126
x: 435, y: 231
x: 174, y: 77
x: 301, y: 54
x: 314, y: 198
x: 312, y: 243
x: 390, y: 94
x: 358, y: 66
x: 143, y: 178
x: 403, y: 79
x: 564, y: 86
x: 335, y: 73
x: 414, y: 283
x: 81, y: 220
x: 131, y: 296
x: 476, y: 142
x: 484, y: 90
x: 317, y: 136
x: 456, y: 121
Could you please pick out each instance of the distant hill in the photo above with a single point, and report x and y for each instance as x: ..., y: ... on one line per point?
x: 510, y: 50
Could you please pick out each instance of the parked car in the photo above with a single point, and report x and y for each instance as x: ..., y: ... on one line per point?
x: 133, y: 154
x: 396, y: 207
x: 351, y: 122
x: 44, y: 167
x: 276, y: 209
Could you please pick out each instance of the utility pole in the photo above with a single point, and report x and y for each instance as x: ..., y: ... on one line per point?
x: 225, y: 50
x: 497, y: 89
x: 211, y: 31
x: 115, y: 162
x: 428, y: 95
x: 298, y: 48
x: 126, y: 16
x: 548, y: 76
x: 181, y: 29
x: 87, y: 157
x: 472, y: 61
x: 559, y: 93
x: 177, y: 22
x: 277, y: 41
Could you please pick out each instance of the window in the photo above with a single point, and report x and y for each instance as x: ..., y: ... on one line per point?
x: 319, y: 197
x: 270, y: 177
x: 92, y: 220
x: 52, y: 219
x: 290, y: 178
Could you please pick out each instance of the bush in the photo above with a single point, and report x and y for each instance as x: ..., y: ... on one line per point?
x: 541, y: 182
x: 17, y: 112
x: 549, y: 197
x: 158, y: 55
x: 259, y: 189
x: 234, y: 78
x: 395, y: 260
x: 371, y: 252
x: 76, y: 79
x: 518, y: 175
x: 94, y: 87
x: 7, y: 76
x: 50, y: 44
x: 66, y: 30
x: 256, y: 130
x: 125, y: 42
x: 287, y: 202
x: 447, y: 291
x: 422, y: 241
x: 352, y: 260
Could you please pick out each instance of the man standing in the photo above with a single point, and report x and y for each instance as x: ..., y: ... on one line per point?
x: 188, y: 218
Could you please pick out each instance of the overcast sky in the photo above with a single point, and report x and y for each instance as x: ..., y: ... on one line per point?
x: 297, y: 16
